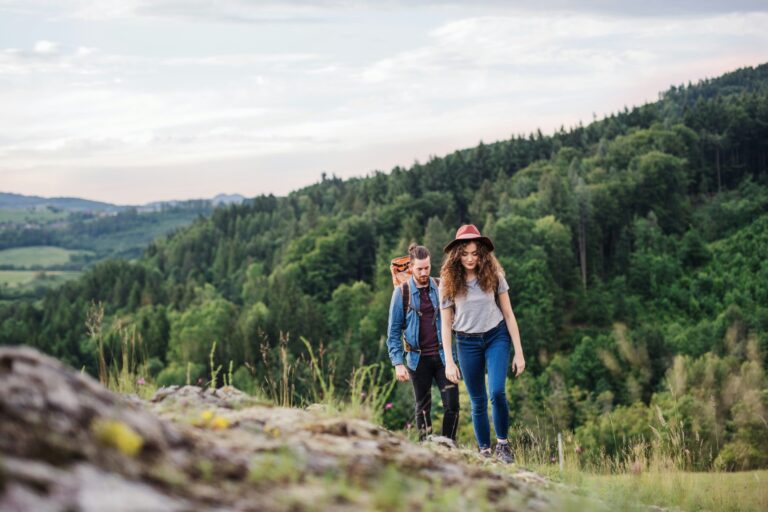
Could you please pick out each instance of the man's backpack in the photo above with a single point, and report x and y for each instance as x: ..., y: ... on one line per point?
x: 401, y: 275
x: 401, y: 270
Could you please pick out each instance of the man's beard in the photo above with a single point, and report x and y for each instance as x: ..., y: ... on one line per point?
x: 422, y: 280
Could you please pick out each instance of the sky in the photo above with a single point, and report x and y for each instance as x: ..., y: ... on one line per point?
x: 146, y: 100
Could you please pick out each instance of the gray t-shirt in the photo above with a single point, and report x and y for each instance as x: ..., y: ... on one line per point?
x: 476, y: 310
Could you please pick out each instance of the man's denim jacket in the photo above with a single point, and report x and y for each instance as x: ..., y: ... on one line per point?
x: 395, y: 326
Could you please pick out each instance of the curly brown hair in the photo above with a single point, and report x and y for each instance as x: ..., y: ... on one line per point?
x: 453, y: 277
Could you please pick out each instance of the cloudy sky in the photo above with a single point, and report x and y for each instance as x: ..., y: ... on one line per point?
x: 130, y: 101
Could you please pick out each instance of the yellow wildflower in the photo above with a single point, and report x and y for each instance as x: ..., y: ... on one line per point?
x: 219, y: 423
x: 118, y: 435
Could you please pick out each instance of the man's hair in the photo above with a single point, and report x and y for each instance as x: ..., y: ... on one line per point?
x: 418, y: 252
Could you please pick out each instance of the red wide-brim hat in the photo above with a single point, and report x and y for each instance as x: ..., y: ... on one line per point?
x: 468, y: 233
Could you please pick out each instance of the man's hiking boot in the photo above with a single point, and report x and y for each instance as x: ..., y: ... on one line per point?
x: 503, y: 453
x: 486, y: 453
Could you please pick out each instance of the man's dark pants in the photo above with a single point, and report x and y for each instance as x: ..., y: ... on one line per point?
x: 429, y: 370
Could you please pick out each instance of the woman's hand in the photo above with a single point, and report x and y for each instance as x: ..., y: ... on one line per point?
x: 452, y: 372
x: 518, y: 364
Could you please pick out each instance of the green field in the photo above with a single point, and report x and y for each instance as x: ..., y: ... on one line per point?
x: 43, y: 256
x: 21, y: 215
x: 745, y: 491
x: 17, y: 279
x: 677, y: 490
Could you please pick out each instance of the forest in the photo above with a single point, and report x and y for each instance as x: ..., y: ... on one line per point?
x: 636, y: 249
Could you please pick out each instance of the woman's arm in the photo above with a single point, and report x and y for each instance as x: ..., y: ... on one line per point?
x: 518, y: 362
x: 446, y: 330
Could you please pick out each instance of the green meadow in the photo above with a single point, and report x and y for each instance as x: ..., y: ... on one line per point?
x: 716, y: 491
x: 22, y: 278
x: 21, y: 215
x: 40, y: 256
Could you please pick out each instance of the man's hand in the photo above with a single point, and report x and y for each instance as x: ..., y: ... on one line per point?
x: 452, y: 372
x: 401, y: 372
x: 518, y: 364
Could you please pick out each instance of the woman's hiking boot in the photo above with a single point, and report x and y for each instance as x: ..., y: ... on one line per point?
x: 503, y: 453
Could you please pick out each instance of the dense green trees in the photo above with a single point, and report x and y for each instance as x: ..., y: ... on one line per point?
x: 635, y: 248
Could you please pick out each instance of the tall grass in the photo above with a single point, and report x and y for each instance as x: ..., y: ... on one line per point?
x: 665, y: 450
x: 215, y: 370
x: 323, y: 389
x: 127, y: 371
x: 643, y: 473
x: 716, y: 491
x: 370, y: 387
x: 280, y: 391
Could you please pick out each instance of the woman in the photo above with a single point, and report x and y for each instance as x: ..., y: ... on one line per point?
x: 475, y: 304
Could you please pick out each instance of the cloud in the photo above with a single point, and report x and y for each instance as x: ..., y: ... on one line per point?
x: 240, y: 60
x: 534, y: 48
x: 648, y: 8
x: 305, y: 11
x: 225, y: 11
x: 234, y: 11
x: 46, y: 47
x: 48, y: 57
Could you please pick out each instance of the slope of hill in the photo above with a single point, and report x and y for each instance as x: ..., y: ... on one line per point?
x: 74, y: 204
x: 11, y: 201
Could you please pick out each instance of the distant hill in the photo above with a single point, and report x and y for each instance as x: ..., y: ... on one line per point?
x: 76, y: 204
x: 73, y: 204
x: 227, y: 199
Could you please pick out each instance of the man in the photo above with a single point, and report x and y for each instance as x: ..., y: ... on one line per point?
x: 415, y: 345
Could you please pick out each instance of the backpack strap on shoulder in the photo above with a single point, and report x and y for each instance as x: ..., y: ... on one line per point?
x: 405, y: 288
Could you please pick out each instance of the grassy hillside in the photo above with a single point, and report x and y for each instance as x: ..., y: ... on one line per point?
x: 11, y: 216
x: 21, y: 281
x: 38, y: 256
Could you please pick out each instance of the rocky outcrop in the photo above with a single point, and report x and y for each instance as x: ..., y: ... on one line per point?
x: 68, y: 444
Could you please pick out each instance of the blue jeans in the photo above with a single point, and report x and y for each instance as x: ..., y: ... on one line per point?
x: 478, y: 353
